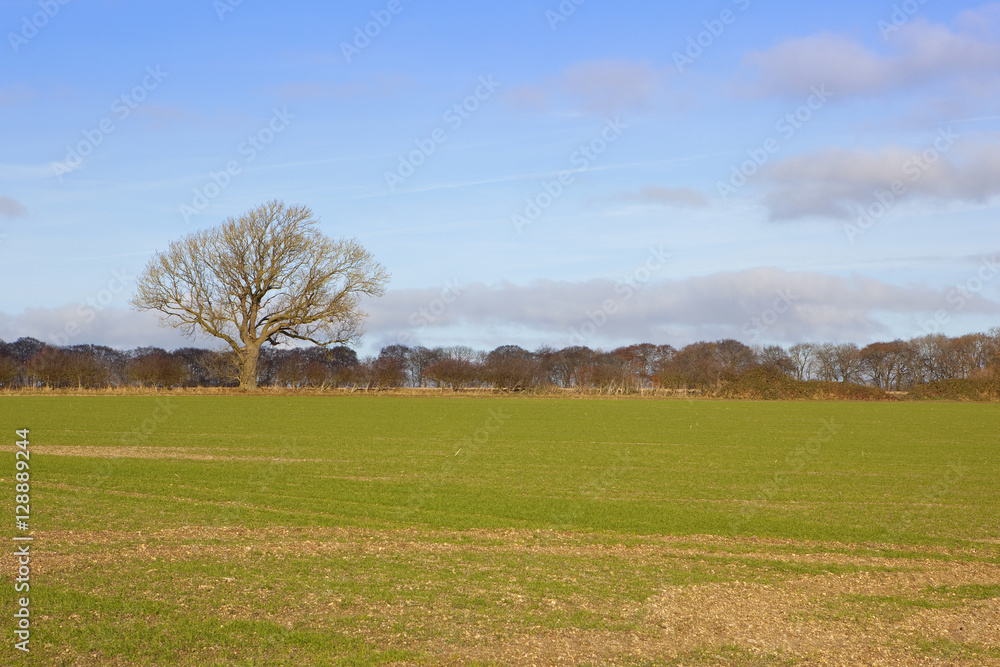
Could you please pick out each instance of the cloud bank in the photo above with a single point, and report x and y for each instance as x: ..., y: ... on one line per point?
x: 915, y: 54
x: 752, y: 305
x: 755, y: 305
x: 841, y: 183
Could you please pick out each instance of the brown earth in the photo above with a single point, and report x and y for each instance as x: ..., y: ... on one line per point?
x: 901, y: 608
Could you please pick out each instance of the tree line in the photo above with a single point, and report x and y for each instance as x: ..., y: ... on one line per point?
x: 706, y: 367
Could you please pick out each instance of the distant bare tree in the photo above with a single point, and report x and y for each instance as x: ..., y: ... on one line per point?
x: 512, y: 368
x: 847, y: 361
x: 981, y: 351
x: 51, y: 366
x: 268, y: 276
x: 881, y: 364
x: 639, y: 361
x: 931, y: 357
x: 389, y: 369
x: 221, y: 367
x: 23, y: 349
x: 463, y: 352
x: 156, y: 368
x: 454, y: 373
x: 317, y: 374
x: 566, y: 366
x: 965, y: 355
x: 392, y: 365
x: 358, y: 376
x: 267, y: 365
x: 695, y: 365
x: 420, y: 359
x: 803, y: 356
x: 825, y: 362
x: 10, y: 372
x: 777, y: 358
x: 546, y: 357
x: 910, y: 365
x: 291, y: 370
x: 608, y: 376
x: 342, y: 361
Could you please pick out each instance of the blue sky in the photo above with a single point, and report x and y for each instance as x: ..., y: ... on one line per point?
x: 536, y: 173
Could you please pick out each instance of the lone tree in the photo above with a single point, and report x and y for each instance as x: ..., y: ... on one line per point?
x: 268, y: 276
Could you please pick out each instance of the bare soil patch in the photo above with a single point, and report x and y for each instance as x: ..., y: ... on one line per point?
x: 861, y: 618
x: 905, y: 609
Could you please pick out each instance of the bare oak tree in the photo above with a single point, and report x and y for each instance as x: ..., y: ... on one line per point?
x: 268, y: 276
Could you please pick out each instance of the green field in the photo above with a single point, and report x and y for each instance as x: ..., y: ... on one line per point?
x: 430, y: 530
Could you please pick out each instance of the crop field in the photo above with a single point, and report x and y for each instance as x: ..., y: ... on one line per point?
x: 369, y: 530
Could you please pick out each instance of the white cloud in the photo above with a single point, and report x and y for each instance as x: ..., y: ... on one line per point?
x: 839, y: 63
x: 83, y: 324
x: 377, y: 87
x: 16, y: 94
x: 918, y: 53
x: 682, y: 196
x: 754, y: 305
x: 837, y: 182
x: 159, y: 116
x: 26, y: 172
x: 11, y: 208
x: 720, y: 305
x: 601, y: 87
x: 606, y: 86
x: 983, y: 20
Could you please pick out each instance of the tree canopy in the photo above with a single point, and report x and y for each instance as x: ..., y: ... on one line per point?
x: 269, y: 275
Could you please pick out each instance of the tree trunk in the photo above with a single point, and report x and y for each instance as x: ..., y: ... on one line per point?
x: 248, y: 366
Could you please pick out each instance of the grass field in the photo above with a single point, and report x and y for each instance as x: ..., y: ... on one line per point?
x: 392, y: 530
